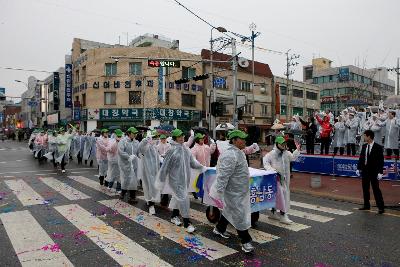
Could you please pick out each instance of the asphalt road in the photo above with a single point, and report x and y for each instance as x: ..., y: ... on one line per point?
x: 53, y: 219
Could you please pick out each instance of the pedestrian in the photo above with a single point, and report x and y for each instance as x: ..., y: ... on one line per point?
x: 338, y: 136
x: 202, y: 152
x: 311, y: 130
x: 278, y: 160
x: 128, y: 165
x: 351, y: 134
x: 326, y: 130
x: 113, y: 173
x: 392, y: 134
x: 232, y: 186
x: 176, y: 172
x: 150, y: 166
x: 370, y: 167
x: 101, y: 154
x: 163, y: 146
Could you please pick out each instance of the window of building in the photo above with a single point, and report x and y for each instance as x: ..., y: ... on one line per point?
x: 110, y: 98
x: 135, y: 97
x: 188, y: 100
x: 84, y: 73
x: 283, y: 90
x: 76, y: 77
x: 135, y: 68
x: 167, y: 98
x: 110, y: 69
x: 308, y: 73
x: 264, y: 110
x: 83, y: 100
x: 248, y: 109
x: 188, y: 73
x: 283, y: 110
x: 325, y: 79
x: 297, y: 111
x: 311, y: 95
x: 244, y: 85
x: 297, y: 93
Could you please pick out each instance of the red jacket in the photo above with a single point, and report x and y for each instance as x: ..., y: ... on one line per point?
x: 326, y: 126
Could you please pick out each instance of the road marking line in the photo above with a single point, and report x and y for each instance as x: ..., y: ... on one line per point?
x: 376, y: 211
x: 30, y: 241
x: 92, y: 184
x: 292, y: 227
x: 118, y: 246
x: 64, y: 189
x: 46, y: 171
x: 208, y: 248
x: 310, y: 216
x: 320, y: 208
x: 25, y: 194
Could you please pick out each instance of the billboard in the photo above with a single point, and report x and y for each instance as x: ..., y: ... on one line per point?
x: 344, y: 74
x: 2, y: 90
x: 56, y: 90
x: 68, y: 85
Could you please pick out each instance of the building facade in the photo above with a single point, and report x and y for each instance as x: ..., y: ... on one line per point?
x: 346, y: 86
x: 126, y: 86
x: 296, y: 98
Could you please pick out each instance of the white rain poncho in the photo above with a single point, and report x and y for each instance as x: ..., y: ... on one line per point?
x: 392, y: 133
x: 101, y: 155
x: 376, y: 127
x: 128, y: 169
x: 78, y: 145
x: 280, y: 162
x: 351, y: 131
x: 89, y: 148
x: 176, y: 172
x: 338, y: 137
x: 150, y: 165
x: 232, y: 187
x: 112, y: 156
x: 63, y: 144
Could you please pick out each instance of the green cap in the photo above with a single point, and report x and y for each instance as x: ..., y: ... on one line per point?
x: 118, y: 133
x: 199, y: 136
x: 104, y: 130
x: 61, y: 129
x: 163, y: 136
x: 177, y: 133
x: 280, y: 140
x: 132, y: 130
x: 237, y: 133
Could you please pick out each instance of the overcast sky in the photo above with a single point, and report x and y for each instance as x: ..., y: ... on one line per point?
x: 36, y: 34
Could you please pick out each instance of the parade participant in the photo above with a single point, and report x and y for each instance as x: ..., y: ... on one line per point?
x: 370, y: 167
x: 392, y: 134
x: 101, y: 154
x: 163, y: 146
x: 202, y: 152
x: 279, y: 160
x: 338, y: 136
x: 31, y: 142
x: 232, y: 186
x: 175, y: 171
x: 350, y: 134
x: 331, y: 117
x: 41, y: 145
x: 294, y: 125
x: 78, y: 144
x: 150, y: 167
x: 63, y: 141
x: 376, y: 127
x: 326, y: 129
x: 311, y: 131
x: 113, y: 173
x: 128, y: 165
x: 89, y: 148
x: 52, y: 144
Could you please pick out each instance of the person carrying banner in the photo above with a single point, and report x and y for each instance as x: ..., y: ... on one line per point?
x: 176, y: 172
x: 113, y: 173
x: 278, y: 160
x: 101, y: 154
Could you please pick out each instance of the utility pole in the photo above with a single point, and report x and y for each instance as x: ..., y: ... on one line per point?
x: 290, y: 62
x: 397, y: 71
x: 234, y: 76
x: 254, y: 34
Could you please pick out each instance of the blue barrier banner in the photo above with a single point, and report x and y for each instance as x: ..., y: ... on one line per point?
x: 340, y: 166
x: 262, y: 192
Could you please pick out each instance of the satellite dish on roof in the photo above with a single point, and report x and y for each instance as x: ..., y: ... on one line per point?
x: 244, y: 63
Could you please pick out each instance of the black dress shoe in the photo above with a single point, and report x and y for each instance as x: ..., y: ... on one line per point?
x: 364, y: 208
x: 381, y: 211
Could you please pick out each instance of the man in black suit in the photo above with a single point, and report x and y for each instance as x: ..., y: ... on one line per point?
x: 370, y: 166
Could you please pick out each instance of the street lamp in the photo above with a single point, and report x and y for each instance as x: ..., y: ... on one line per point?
x: 213, y: 118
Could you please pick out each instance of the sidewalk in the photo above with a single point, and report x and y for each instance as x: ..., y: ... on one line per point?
x: 341, y: 188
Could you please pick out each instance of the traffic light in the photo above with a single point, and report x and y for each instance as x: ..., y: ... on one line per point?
x: 183, y: 80
x: 240, y: 114
x: 217, y: 109
x: 201, y: 77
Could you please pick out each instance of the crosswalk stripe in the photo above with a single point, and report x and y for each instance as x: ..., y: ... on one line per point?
x: 64, y: 189
x: 320, y: 208
x: 92, y: 184
x: 292, y: 227
x: 25, y: 194
x: 31, y: 243
x: 309, y: 216
x: 122, y: 249
x: 203, y: 246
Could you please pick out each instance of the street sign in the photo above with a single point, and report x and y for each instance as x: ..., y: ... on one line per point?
x: 32, y: 103
x: 219, y: 81
x: 156, y: 63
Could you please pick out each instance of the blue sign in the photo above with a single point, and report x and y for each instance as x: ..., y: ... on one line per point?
x: 163, y: 114
x: 344, y: 74
x: 77, y: 114
x: 161, y: 94
x: 2, y: 90
x: 262, y: 192
x: 219, y: 81
x: 1, y: 117
x: 68, y: 85
x: 32, y: 103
